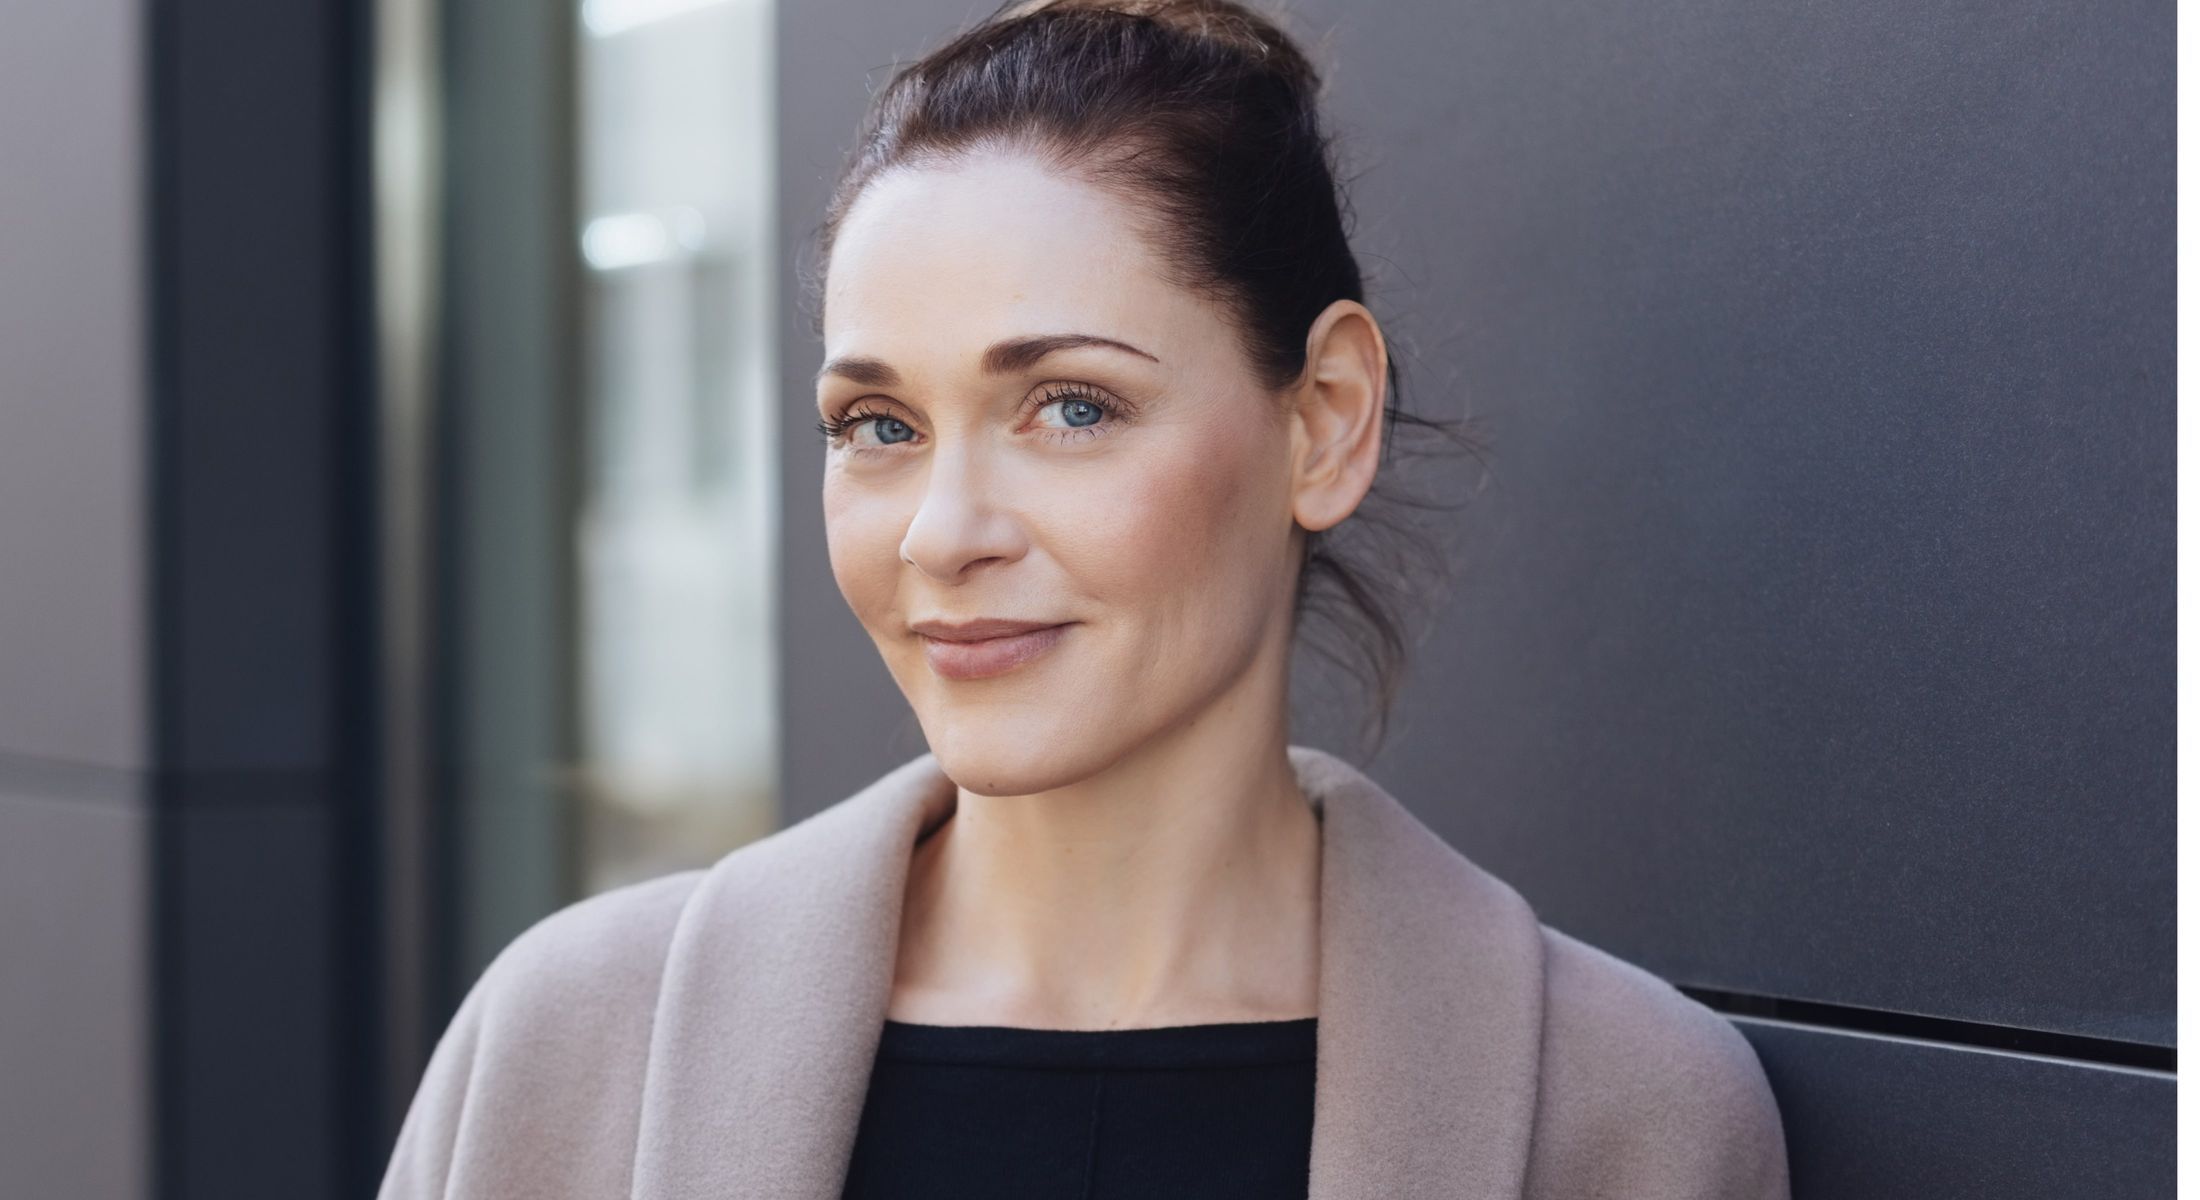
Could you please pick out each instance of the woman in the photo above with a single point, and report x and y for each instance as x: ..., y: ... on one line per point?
x: 1097, y: 380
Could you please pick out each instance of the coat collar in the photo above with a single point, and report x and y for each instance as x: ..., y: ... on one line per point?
x: 775, y: 988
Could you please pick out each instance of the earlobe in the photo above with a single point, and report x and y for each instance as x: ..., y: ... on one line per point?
x: 1339, y: 415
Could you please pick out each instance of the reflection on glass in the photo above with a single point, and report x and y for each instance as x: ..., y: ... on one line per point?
x: 677, y: 513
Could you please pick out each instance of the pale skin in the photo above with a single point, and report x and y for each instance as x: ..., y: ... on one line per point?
x: 1129, y: 846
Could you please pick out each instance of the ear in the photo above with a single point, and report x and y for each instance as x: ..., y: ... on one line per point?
x: 1337, y: 416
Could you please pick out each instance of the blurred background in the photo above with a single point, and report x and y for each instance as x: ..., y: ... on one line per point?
x: 409, y: 525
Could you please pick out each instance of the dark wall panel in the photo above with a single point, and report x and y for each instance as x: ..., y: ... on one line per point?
x: 260, y: 463
x: 1816, y: 631
x: 1903, y: 1120
x: 251, y: 966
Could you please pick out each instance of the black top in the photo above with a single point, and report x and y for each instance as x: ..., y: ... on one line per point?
x: 1221, y: 1112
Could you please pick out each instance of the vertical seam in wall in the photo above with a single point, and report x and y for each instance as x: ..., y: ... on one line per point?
x: 163, y: 1149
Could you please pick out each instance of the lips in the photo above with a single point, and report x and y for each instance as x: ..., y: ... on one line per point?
x: 980, y: 649
x: 977, y: 630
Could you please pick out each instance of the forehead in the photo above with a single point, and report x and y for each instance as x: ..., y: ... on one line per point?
x: 943, y: 259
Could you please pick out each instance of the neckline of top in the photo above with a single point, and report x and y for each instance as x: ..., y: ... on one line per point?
x: 1163, y: 1047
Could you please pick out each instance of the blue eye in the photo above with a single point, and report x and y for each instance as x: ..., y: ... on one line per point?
x: 1081, y: 410
x: 842, y: 429
x: 891, y: 430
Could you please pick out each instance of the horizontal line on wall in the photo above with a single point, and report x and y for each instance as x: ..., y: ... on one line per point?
x: 31, y: 777
x: 2076, y: 1047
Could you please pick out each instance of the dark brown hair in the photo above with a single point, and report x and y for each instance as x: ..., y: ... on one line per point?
x: 1203, y: 115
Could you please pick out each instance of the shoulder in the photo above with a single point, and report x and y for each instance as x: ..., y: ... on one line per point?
x: 554, y: 1040
x: 617, y: 943
x: 600, y: 953
x: 577, y: 989
x: 1646, y: 1091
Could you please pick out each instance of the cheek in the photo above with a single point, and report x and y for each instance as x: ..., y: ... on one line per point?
x: 1186, y: 534
x: 864, y: 543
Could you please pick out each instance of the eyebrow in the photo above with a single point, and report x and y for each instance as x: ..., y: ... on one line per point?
x: 1004, y: 357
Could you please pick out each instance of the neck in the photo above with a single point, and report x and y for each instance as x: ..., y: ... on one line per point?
x: 1178, y: 886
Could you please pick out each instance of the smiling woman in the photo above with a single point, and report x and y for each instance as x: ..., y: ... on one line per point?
x: 1044, y: 427
x: 1098, y: 384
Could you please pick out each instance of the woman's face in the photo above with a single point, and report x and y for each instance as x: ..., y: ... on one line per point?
x: 1035, y: 426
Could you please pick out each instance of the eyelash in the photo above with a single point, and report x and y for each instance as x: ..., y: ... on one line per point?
x: 836, y: 428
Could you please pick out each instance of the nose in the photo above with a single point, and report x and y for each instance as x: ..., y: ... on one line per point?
x: 959, y: 524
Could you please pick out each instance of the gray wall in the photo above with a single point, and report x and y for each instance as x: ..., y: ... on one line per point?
x: 75, y: 1032
x: 1813, y: 646
x: 181, y: 455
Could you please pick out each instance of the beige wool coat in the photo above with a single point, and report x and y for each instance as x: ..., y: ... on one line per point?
x: 710, y: 1034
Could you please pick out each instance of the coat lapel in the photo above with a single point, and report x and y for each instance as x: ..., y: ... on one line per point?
x: 776, y: 984
x: 1430, y: 1036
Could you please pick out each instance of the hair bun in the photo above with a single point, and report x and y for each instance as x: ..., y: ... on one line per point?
x: 1222, y: 23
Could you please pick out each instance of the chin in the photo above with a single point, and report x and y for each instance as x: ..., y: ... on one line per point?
x: 992, y: 757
